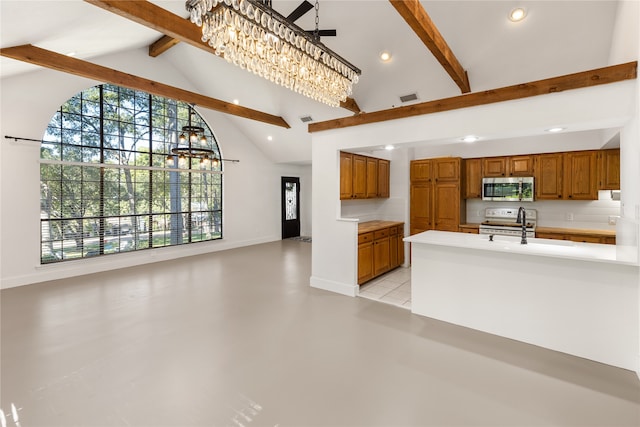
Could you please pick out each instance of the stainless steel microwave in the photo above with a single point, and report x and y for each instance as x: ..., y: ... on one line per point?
x: 513, y: 189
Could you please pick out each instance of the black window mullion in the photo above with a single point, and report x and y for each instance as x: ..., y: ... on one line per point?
x: 102, y: 221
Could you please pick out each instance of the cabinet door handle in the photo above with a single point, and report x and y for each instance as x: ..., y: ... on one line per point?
x: 559, y: 196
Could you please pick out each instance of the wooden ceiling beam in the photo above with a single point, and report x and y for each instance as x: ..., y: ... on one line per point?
x: 45, y: 58
x: 600, y: 76
x: 418, y: 19
x: 161, y: 45
x: 157, y: 18
x: 172, y: 26
x: 351, y: 105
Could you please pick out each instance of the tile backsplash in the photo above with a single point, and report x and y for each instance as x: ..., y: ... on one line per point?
x: 587, y: 214
x: 391, y: 209
x: 584, y: 214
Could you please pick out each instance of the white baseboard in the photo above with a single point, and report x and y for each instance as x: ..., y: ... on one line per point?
x: 64, y: 270
x: 332, y: 286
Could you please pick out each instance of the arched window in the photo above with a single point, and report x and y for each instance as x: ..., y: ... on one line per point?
x: 108, y: 181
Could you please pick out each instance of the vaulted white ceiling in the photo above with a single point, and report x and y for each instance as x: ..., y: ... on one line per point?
x: 556, y: 38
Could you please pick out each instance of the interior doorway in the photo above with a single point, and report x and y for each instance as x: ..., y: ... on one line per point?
x: 290, y: 207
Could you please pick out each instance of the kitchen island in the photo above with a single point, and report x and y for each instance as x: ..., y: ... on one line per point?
x: 577, y: 298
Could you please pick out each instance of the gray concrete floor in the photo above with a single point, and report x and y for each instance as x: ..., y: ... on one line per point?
x: 238, y: 338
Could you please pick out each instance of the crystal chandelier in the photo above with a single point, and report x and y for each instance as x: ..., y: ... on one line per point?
x: 251, y: 35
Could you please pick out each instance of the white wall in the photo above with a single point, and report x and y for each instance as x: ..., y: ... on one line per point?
x: 251, y: 192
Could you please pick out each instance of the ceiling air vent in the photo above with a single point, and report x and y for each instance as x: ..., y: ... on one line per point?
x: 410, y: 97
x: 306, y: 119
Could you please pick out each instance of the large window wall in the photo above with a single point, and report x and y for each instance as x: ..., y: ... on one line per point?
x: 108, y: 180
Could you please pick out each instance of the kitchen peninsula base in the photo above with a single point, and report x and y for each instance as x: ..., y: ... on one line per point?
x: 576, y: 298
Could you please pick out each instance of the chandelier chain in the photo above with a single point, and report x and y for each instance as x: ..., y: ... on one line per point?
x: 316, y: 32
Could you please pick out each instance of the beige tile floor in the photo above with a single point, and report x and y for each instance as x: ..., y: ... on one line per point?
x: 392, y: 288
x: 239, y: 338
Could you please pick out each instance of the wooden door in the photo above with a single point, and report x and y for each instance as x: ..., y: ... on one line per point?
x: 446, y: 202
x: 609, y: 170
x: 494, y: 166
x: 446, y: 169
x: 372, y: 177
x: 548, y: 176
x: 346, y: 176
x: 420, y: 207
x: 473, y: 178
x: 580, y: 175
x: 520, y: 166
x: 383, y: 177
x: 359, y: 177
x: 365, y: 262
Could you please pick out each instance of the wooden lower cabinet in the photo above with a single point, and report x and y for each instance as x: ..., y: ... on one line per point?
x: 577, y: 237
x: 380, y: 251
x: 365, y: 262
x: 381, y: 256
x: 471, y: 229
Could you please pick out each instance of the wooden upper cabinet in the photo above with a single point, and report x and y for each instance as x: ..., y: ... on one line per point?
x: 508, y: 166
x: 446, y: 169
x: 609, y: 170
x: 383, y: 178
x: 363, y: 177
x: 580, y: 176
x: 420, y: 170
x: 494, y: 166
x: 472, y: 178
x: 346, y: 176
x: 372, y: 177
x: 548, y: 174
x: 359, y: 177
x: 520, y: 166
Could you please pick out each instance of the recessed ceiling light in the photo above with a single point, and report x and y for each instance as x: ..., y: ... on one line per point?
x: 517, y: 14
x: 236, y: 101
x: 269, y: 138
x: 385, y: 56
x: 470, y: 138
x: 556, y: 129
x: 389, y: 147
x: 71, y: 54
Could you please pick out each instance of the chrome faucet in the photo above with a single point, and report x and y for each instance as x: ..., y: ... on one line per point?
x: 522, y: 219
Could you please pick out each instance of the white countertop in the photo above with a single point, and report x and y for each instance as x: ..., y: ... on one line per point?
x: 536, y: 247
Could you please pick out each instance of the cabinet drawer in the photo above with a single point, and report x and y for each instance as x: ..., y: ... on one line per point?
x: 381, y: 234
x: 365, y: 237
x: 393, y: 231
x: 584, y: 238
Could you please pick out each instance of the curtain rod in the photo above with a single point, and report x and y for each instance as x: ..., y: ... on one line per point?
x: 17, y: 138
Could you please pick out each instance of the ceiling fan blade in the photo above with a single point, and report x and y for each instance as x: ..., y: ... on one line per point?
x: 302, y: 8
x: 323, y: 33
